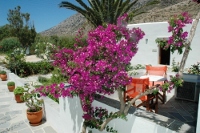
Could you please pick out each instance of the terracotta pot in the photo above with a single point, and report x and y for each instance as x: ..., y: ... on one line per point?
x: 18, y: 98
x: 11, y: 88
x: 3, y: 77
x: 35, y: 118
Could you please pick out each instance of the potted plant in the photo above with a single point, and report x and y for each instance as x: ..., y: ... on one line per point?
x: 11, y: 86
x: 3, y: 75
x: 34, y: 104
x: 18, y: 92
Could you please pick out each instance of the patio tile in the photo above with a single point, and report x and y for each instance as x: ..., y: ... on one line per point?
x: 181, y: 110
x: 177, y: 116
x: 188, y: 118
x: 49, y: 130
x: 26, y: 130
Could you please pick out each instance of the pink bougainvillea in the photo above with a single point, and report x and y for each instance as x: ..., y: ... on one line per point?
x: 179, y: 37
x: 99, y: 66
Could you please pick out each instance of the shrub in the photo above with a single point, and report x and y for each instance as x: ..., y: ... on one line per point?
x: 42, y: 79
x: 11, y: 83
x: 57, y: 76
x: 24, y: 69
x: 2, y: 72
x: 18, y: 90
x: 10, y: 43
x: 15, y: 60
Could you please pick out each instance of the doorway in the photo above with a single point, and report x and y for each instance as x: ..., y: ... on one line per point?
x: 164, y: 56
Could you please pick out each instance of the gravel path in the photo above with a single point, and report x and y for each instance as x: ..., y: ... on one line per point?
x: 29, y: 58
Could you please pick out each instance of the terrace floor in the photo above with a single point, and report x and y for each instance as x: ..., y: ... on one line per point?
x: 181, y: 110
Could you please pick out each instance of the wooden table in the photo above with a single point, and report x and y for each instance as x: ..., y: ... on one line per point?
x: 154, y: 78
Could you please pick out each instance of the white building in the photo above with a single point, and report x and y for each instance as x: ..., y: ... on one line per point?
x: 150, y: 53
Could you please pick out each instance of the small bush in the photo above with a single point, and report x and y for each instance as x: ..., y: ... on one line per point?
x: 18, y: 90
x: 57, y: 76
x: 24, y: 69
x: 2, y: 72
x: 11, y: 83
x: 9, y: 44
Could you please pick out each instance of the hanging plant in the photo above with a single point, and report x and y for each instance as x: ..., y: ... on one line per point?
x: 162, y: 42
x: 178, y: 38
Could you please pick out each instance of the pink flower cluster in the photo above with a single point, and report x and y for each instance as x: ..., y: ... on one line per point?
x: 99, y: 66
x: 178, y: 38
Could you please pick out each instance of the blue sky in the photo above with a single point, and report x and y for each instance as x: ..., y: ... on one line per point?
x: 44, y: 13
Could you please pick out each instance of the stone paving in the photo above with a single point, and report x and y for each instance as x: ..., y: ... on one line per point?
x: 181, y: 110
x: 13, y: 115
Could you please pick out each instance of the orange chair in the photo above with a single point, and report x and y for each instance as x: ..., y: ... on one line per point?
x: 157, y: 71
x: 138, y: 86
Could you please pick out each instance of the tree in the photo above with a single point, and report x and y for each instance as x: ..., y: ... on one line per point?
x: 20, y: 27
x: 189, y: 41
x: 104, y: 11
x: 98, y: 68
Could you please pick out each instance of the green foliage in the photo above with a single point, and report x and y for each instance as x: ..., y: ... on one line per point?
x: 129, y: 67
x: 18, y: 90
x: 176, y: 80
x: 11, y: 83
x: 15, y: 60
x: 32, y: 99
x: 18, y: 65
x: 2, y: 72
x: 67, y: 42
x: 4, y: 32
x: 20, y: 27
x: 139, y: 66
x: 42, y: 79
x: 45, y: 46
x: 30, y: 68
x: 57, y: 76
x: 175, y: 66
x: 100, y: 12
x: 162, y: 43
x: 9, y: 44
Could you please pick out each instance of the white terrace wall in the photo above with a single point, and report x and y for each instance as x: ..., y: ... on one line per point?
x: 148, y: 51
x: 71, y: 115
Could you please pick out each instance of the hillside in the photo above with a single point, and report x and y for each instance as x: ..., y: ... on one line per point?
x: 157, y: 13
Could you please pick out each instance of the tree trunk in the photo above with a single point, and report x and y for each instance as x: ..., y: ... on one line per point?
x: 188, y: 44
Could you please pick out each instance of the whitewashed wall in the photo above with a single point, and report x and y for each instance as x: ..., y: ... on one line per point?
x: 71, y: 115
x: 148, y: 52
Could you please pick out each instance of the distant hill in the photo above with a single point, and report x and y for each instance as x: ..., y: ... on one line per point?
x: 156, y: 13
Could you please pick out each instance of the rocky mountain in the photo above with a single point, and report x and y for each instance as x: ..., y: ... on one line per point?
x: 155, y: 13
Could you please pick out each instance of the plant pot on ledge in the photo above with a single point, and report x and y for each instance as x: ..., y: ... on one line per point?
x: 190, y: 89
x: 35, y: 118
x: 11, y: 86
x: 3, y: 75
x: 34, y: 104
x: 18, y: 92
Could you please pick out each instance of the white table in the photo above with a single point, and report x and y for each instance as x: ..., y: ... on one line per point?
x: 154, y: 78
